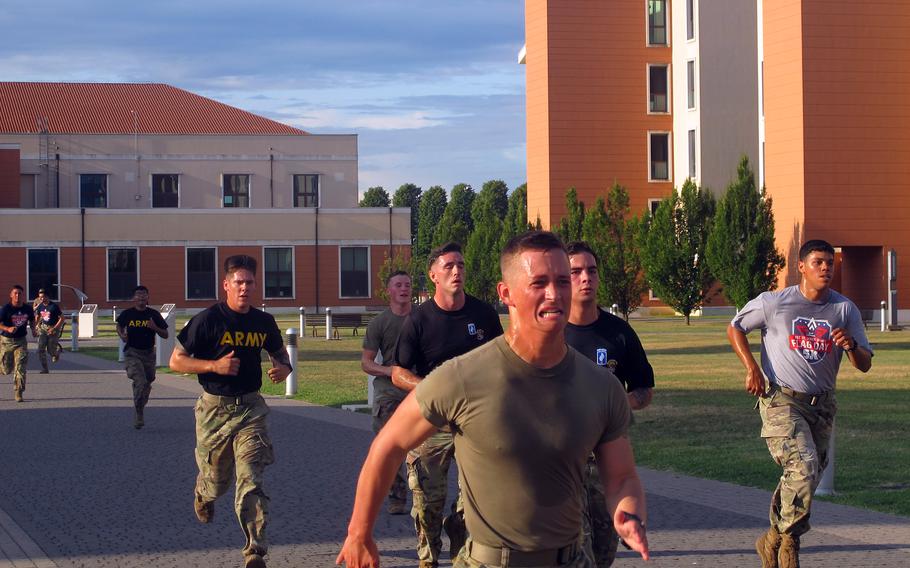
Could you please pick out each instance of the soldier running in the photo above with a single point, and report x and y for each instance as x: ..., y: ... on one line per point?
x: 49, y: 325
x: 223, y: 345
x: 15, y: 317
x: 137, y: 327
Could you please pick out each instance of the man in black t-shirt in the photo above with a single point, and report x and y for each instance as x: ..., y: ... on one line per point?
x: 449, y: 324
x: 223, y: 345
x: 610, y: 342
x: 137, y: 328
x: 48, y: 324
x: 15, y: 317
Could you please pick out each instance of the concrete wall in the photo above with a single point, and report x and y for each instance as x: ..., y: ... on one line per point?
x: 200, y: 161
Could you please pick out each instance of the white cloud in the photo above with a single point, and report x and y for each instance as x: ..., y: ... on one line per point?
x: 339, y: 118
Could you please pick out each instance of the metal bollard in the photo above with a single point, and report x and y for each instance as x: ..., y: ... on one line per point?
x: 884, y: 315
x: 302, y: 327
x: 121, y: 357
x: 290, y: 384
x: 328, y: 323
x: 263, y: 307
x: 614, y: 309
x: 114, y: 314
x: 74, y: 329
x: 826, y: 485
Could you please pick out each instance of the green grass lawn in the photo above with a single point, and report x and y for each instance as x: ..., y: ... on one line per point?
x: 702, y: 420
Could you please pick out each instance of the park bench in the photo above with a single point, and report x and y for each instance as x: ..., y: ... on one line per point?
x: 339, y: 321
x: 868, y: 317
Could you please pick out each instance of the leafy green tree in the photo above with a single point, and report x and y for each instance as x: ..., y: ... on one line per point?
x: 456, y: 223
x: 389, y: 265
x: 433, y: 204
x: 516, y: 221
x: 673, y: 243
x: 375, y: 197
x: 408, y: 195
x: 498, y: 192
x: 613, y: 236
x: 741, y: 251
x: 569, y: 228
x: 482, y: 250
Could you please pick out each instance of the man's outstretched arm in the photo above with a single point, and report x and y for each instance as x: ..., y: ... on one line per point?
x: 405, y: 430
x: 624, y: 493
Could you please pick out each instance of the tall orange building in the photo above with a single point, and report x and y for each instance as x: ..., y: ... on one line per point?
x: 598, y: 102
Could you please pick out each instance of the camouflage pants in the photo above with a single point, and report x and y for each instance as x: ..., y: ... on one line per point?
x: 428, y: 477
x: 464, y: 560
x: 599, y: 537
x: 14, y: 357
x: 48, y: 342
x: 140, y: 368
x: 232, y: 441
x: 383, y: 409
x: 797, y: 434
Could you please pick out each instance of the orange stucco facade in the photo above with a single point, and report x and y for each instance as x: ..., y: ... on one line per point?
x: 587, y: 103
x: 837, y: 135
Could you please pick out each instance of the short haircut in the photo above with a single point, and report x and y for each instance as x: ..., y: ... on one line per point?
x: 531, y: 240
x: 814, y: 245
x: 140, y: 288
x: 441, y: 250
x: 41, y: 291
x: 239, y: 262
x: 17, y: 287
x: 579, y: 247
x: 394, y: 274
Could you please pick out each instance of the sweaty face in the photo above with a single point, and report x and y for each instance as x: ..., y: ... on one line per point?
x: 15, y: 296
x: 447, y: 273
x: 239, y: 287
x: 540, y: 289
x: 42, y: 299
x: 141, y: 297
x: 399, y: 289
x: 817, y: 269
x: 585, y: 278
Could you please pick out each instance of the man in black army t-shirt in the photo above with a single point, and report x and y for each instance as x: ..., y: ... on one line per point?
x: 15, y: 318
x: 137, y: 327
x: 610, y: 342
x: 450, y: 324
x: 223, y: 345
x: 48, y: 325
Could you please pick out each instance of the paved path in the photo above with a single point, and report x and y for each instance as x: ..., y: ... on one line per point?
x: 79, y: 487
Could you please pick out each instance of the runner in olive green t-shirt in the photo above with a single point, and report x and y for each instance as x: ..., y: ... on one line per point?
x: 380, y: 338
x: 531, y: 427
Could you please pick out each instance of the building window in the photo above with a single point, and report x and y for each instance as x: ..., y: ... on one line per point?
x: 236, y: 188
x: 43, y: 272
x: 657, y: 22
x: 165, y: 189
x: 306, y: 190
x: 279, y: 272
x: 122, y: 273
x: 690, y: 84
x: 657, y: 88
x: 659, y: 151
x: 93, y: 190
x: 692, y: 172
x: 355, y: 272
x: 690, y: 19
x: 201, y: 275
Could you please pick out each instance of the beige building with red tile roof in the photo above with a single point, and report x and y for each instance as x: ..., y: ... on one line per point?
x: 104, y: 186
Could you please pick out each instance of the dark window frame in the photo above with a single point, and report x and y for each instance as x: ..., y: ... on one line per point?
x: 192, y: 275
x: 284, y: 276
x: 345, y: 282
x: 653, y: 163
x: 165, y: 198
x: 125, y: 286
x: 101, y: 193
x: 654, y: 27
x: 49, y: 280
x: 308, y: 195
x: 661, y: 70
x: 237, y: 197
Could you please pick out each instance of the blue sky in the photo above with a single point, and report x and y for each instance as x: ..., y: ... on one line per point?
x: 432, y: 89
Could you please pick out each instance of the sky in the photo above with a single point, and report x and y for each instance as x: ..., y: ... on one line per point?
x: 432, y: 89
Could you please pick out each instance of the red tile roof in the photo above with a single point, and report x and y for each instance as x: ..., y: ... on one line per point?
x: 107, y: 108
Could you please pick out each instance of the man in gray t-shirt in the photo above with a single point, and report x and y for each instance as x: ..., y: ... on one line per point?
x: 805, y: 331
x: 377, y: 358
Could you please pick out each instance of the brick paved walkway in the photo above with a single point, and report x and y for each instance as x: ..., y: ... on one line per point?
x: 81, y: 488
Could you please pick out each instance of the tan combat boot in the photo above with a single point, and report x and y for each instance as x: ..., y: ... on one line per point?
x: 767, y: 546
x: 788, y: 555
x: 18, y: 395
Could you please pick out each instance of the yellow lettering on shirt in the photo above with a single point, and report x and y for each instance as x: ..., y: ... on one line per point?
x: 138, y: 323
x: 243, y: 339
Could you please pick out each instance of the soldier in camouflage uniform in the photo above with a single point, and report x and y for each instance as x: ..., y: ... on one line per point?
x: 449, y: 324
x: 137, y: 328
x: 380, y: 338
x: 223, y: 345
x: 49, y: 324
x: 15, y: 318
x: 806, y: 329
